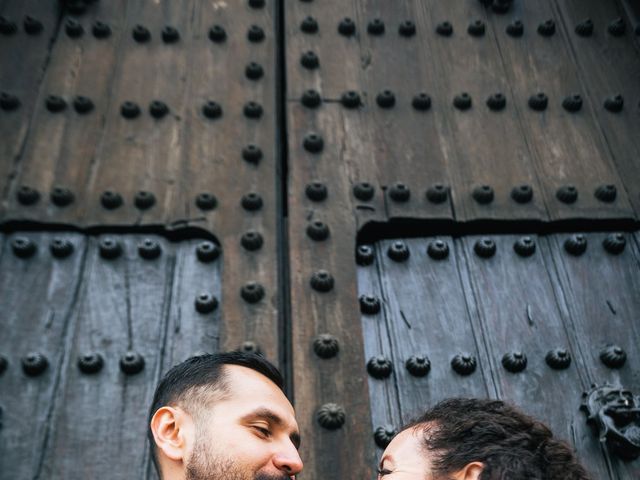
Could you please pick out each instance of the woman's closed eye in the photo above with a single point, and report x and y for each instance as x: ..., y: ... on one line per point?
x: 383, y: 471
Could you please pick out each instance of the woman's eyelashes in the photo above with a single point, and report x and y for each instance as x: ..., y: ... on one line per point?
x: 382, y: 472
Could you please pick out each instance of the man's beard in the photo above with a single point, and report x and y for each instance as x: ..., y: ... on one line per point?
x: 204, y: 465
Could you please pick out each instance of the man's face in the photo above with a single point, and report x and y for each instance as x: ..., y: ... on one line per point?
x: 251, y: 434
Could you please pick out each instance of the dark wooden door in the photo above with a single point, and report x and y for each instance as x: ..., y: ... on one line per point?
x: 338, y: 185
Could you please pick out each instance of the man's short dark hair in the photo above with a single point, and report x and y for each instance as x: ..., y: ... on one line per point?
x: 199, y: 380
x: 509, y: 443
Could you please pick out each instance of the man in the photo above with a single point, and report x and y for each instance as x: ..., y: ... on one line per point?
x: 223, y: 417
x: 472, y: 439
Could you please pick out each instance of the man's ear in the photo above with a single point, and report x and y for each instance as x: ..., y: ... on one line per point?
x: 471, y: 471
x: 170, y: 431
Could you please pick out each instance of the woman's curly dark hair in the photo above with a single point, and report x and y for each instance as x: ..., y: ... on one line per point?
x: 510, y: 444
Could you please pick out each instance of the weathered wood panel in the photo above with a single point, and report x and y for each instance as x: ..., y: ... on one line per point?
x: 89, y: 304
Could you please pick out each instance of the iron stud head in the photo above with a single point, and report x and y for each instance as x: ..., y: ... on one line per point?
x: 464, y: 364
x: 538, y: 102
x: 23, y: 247
x: 252, y: 110
x: 421, y: 102
x: 217, y: 34
x: 311, y: 99
x: 149, y: 249
x: 9, y: 102
x: 614, y: 104
x: 34, y: 364
x: 399, y: 192
x: 525, y: 246
x: 101, y: 30
x: 318, y: 231
x: 363, y: 191
x: 61, y: 196
x: 206, y: 201
x: 476, y: 28
x: 497, y: 102
x: 61, y: 247
x: 613, y: 356
x: 313, y: 142
x: 407, y: 29
x: 386, y: 99
x: 614, y: 243
x: 110, y: 248
x: 255, y: 34
x: 212, y: 110
x: 376, y: 27
x: 207, y: 251
x: 158, y: 109
x: 90, y: 362
x: 254, y: 71
x: 418, y: 365
x: 438, y: 250
x: 437, y: 193
x: 444, y: 29
x: 55, y: 103
x: 576, y: 245
x: 132, y: 363
x: 27, y: 196
x: 326, y: 346
x: 514, y: 362
x: 617, y: 27
x: 462, y: 101
x: 144, y: 200
x: 316, y: 191
x: 249, y: 347
x: 252, y: 154
x: 558, y: 358
x: 32, y: 26
x: 257, y: 4
x: 309, y: 25
x: 369, y: 304
x: 567, y: 194
x: 364, y: 255
x: 572, y: 103
x: 170, y: 34
x: 111, y: 199
x: 322, y: 281
x: 129, y: 110
x: 379, y: 367
x: 485, y: 247
x: 82, y: 104
x: 483, y: 194
x: 522, y: 193
x: 347, y: 27
x: 141, y: 34
x: 585, y: 28
x: 7, y: 27
x: 398, y: 251
x: 252, y: 240
x: 383, y: 435
x: 331, y: 416
x: 252, y: 202
x: 309, y: 60
x: 515, y: 29
x: 73, y: 28
x: 205, y: 303
x: 350, y: 99
x: 547, y: 28
x: 606, y: 193
x: 252, y: 292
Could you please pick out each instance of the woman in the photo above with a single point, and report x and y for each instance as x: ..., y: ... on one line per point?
x: 472, y: 439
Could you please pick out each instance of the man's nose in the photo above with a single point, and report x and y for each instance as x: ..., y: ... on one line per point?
x: 288, y: 461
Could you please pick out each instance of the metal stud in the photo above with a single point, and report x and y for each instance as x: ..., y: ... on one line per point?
x: 438, y: 250
x: 316, y: 191
x: 251, y: 202
x: 55, y: 103
x: 558, y: 358
x: 129, y: 110
x: 613, y: 356
x: 212, y: 110
x: 34, y: 364
x: 576, y: 245
x: 522, y: 193
x: 421, y: 102
x: 110, y: 248
x: 514, y: 362
x: 606, y: 193
x: 313, y: 142
x: 398, y: 251
x: 383, y: 436
x: 538, y: 102
x: 250, y: 347
x: 617, y: 27
x: 141, y: 34
x: 101, y: 30
x: 170, y: 34
x: 144, y: 200
x: 418, y: 365
x: 444, y: 29
x: 347, y: 27
x: 309, y: 60
x: 515, y: 29
x: 326, y: 346
x: 369, y: 304
x: 379, y: 367
x: 255, y: 34
x: 61, y: 196
x: 399, y: 192
x: 376, y: 27
x: 257, y: 4
x: 90, y: 363
x: 318, y: 231
x: 485, y: 247
x: 364, y: 255
x: 61, y: 247
x: 73, y: 28
x: 111, y: 200
x: 205, y: 303
x: 407, y: 29
x: 311, y: 99
x: 132, y: 363
x: 206, y: 201
x: 252, y: 154
x: 252, y: 110
x: 309, y: 25
x: 386, y: 99
x: 462, y: 101
x: 23, y: 247
x: 322, y: 281
x: 483, y: 194
x: 217, y: 34
x: 9, y: 102
x: 501, y: 6
x: 525, y: 246
x: 254, y: 71
x: 252, y: 292
x: 614, y: 243
x: 567, y: 194
x: 497, y: 102
x: 476, y: 28
x: 207, y: 251
x: 350, y: 99
x: 614, y: 104
x: 7, y: 27
x: 4, y: 364
x: 572, y: 103
x: 547, y: 28
x: 82, y: 104
x: 331, y: 416
x: 252, y: 240
x: 32, y: 26
x: 363, y: 191
x: 464, y: 364
x: 158, y: 109
x: 149, y: 249
x: 27, y: 196
x: 437, y: 193
x: 585, y: 28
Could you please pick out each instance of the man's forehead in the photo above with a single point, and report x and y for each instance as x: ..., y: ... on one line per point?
x: 248, y: 386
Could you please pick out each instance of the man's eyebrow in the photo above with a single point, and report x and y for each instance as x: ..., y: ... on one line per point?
x: 270, y: 416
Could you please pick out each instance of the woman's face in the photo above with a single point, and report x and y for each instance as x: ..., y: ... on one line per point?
x: 405, y: 458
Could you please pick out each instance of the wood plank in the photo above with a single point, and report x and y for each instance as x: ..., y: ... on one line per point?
x: 563, y: 142
x: 39, y: 298
x: 609, y: 66
x: 519, y: 312
x: 600, y: 290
